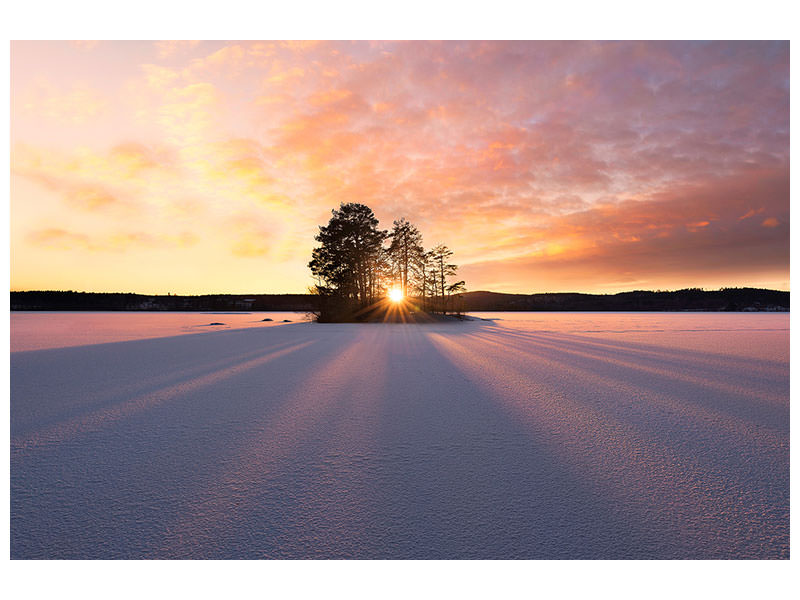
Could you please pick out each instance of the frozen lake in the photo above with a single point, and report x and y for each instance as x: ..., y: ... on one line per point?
x: 37, y: 330
x: 528, y: 436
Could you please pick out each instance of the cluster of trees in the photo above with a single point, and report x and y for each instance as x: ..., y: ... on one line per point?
x: 355, y: 268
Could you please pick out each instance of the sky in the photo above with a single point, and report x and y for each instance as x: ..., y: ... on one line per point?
x: 206, y: 167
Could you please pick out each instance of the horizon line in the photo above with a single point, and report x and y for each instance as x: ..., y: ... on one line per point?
x: 627, y: 291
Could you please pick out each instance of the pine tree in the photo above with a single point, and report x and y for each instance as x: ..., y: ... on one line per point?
x: 347, y: 262
x: 353, y: 268
x: 442, y: 269
x: 404, y: 252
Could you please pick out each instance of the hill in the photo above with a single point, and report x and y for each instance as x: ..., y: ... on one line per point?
x: 727, y: 299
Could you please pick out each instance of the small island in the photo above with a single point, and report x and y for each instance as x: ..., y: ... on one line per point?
x: 360, y: 279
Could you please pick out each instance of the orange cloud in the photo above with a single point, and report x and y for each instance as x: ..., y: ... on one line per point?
x: 516, y: 154
x: 751, y: 213
x: 697, y: 225
x: 94, y: 182
x: 159, y: 77
x: 90, y: 198
x: 170, y: 48
x: 328, y: 97
x: 250, y: 246
x: 59, y: 239
x: 287, y: 76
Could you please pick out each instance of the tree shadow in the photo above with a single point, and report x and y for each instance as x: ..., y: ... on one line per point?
x: 374, y: 441
x: 403, y: 459
x: 93, y: 483
x: 136, y: 368
x: 726, y: 491
x: 752, y: 392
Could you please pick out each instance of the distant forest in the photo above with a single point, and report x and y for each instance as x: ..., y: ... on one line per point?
x: 728, y: 299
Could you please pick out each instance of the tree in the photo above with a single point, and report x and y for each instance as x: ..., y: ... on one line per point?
x: 425, y: 276
x: 353, y: 269
x: 404, y: 252
x: 347, y: 262
x: 441, y: 269
x: 456, y: 289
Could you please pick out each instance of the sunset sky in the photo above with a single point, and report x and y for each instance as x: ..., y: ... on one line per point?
x: 206, y: 167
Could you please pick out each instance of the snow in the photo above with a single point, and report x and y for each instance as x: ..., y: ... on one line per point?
x: 532, y: 436
x: 46, y: 329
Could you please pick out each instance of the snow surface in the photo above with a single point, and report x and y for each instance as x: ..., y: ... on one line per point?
x: 538, y: 436
x: 37, y: 330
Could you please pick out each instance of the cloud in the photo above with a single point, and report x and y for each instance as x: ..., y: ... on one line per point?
x: 189, y: 114
x: 132, y: 159
x: 329, y: 97
x: 751, y: 213
x: 55, y: 238
x: 127, y: 240
x: 90, y: 198
x: 94, y: 182
x: 59, y: 239
x: 75, y: 105
x: 251, y: 246
x: 169, y: 48
x: 524, y: 157
x: 639, y: 243
x: 287, y: 76
x: 252, y: 235
x: 158, y: 77
x: 85, y: 44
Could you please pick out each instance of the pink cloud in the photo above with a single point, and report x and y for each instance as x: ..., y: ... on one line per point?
x: 516, y: 154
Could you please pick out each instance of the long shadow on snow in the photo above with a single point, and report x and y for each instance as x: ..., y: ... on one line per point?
x: 703, y: 362
x: 96, y: 493
x: 400, y: 458
x: 405, y: 458
x: 723, y: 388
x: 726, y: 473
x: 380, y: 448
x: 133, y: 368
x: 305, y: 495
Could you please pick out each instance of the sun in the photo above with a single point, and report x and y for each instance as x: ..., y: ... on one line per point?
x: 396, y: 295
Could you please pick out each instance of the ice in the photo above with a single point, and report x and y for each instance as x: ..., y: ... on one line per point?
x: 533, y: 436
x: 49, y: 329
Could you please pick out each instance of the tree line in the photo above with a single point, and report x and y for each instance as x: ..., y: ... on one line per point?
x: 726, y: 299
x: 357, y: 264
